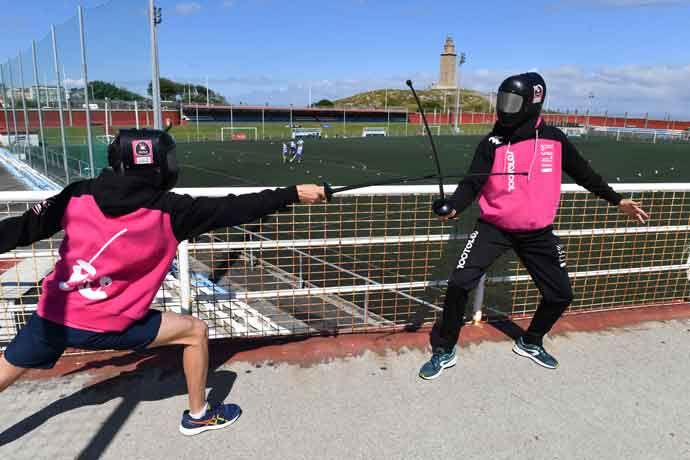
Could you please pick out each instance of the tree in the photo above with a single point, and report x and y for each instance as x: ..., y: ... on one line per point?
x: 324, y: 103
x: 100, y: 90
x: 188, y: 92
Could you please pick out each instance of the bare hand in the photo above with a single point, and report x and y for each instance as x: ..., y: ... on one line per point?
x: 452, y: 215
x: 311, y: 193
x: 633, y: 210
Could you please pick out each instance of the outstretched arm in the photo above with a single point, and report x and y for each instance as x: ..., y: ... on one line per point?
x: 42, y: 221
x: 580, y: 170
x: 194, y: 216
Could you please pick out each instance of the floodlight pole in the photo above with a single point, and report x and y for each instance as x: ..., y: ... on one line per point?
x: 197, y: 122
x: 458, y: 105
x: 155, y: 18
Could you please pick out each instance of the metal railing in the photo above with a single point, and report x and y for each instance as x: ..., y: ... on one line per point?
x: 378, y: 259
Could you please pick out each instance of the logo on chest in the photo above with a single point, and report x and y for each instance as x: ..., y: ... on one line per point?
x: 546, y: 158
x: 510, y: 168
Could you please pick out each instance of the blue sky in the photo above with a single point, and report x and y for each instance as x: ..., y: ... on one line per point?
x: 633, y: 55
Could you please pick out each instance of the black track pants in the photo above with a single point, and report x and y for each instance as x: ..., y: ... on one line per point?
x: 542, y: 254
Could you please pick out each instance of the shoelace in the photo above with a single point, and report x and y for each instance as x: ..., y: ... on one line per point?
x: 436, y: 359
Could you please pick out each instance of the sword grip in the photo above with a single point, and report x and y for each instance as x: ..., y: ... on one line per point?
x: 328, y: 190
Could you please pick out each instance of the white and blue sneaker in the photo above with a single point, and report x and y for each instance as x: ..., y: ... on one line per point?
x: 536, y: 353
x: 216, y: 417
x: 440, y: 359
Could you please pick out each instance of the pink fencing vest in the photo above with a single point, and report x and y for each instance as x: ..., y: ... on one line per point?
x: 110, y: 268
x: 523, y: 203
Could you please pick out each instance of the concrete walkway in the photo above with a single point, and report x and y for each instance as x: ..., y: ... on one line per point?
x: 619, y: 394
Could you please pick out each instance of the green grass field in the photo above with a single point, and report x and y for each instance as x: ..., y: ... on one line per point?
x: 350, y: 159
x: 346, y: 161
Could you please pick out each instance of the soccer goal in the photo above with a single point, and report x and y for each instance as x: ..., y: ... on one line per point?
x: 435, y: 129
x: 238, y: 133
x: 306, y: 132
x: 366, y: 132
x: 106, y: 139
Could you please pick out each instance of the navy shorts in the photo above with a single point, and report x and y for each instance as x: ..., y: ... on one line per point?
x: 40, y: 343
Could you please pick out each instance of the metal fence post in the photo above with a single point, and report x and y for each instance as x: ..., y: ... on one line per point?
x: 478, y: 301
x: 59, y: 98
x: 107, y: 120
x: 85, y: 77
x: 26, y: 113
x: 12, y: 104
x: 406, y: 119
x: 39, y: 108
x: 4, y: 101
x: 185, y: 286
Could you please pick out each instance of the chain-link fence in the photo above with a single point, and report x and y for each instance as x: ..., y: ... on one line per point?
x: 58, y: 118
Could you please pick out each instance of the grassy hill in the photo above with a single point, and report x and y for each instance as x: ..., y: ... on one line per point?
x: 431, y: 99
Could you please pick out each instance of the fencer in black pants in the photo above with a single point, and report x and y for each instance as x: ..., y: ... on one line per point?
x: 542, y: 254
x: 516, y: 176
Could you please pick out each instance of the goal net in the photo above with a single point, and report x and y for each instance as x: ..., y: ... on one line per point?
x: 238, y: 133
x: 366, y: 132
x: 435, y: 129
x: 106, y: 139
x: 306, y: 132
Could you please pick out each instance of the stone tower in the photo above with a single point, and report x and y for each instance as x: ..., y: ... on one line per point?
x: 449, y: 58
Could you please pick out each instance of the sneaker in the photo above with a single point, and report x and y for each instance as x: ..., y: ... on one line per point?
x: 440, y: 359
x: 536, y: 353
x: 216, y: 417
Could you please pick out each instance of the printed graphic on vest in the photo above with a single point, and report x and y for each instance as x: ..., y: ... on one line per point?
x: 510, y: 168
x: 546, y: 157
x: 143, y: 152
x: 84, y: 274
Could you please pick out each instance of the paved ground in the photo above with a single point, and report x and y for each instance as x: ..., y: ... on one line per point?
x: 620, y: 394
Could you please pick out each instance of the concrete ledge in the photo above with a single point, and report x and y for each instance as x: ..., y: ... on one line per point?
x: 309, y: 350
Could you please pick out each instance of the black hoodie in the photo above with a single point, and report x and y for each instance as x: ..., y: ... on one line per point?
x: 121, y: 235
x: 119, y: 195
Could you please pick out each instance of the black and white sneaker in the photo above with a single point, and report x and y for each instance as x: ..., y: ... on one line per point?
x: 536, y: 353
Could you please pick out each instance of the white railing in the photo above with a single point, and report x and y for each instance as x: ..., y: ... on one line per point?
x: 375, y: 258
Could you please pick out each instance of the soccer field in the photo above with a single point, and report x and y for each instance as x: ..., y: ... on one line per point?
x: 354, y: 160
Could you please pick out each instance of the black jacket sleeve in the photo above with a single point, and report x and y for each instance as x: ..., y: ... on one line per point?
x: 469, y: 187
x: 582, y: 173
x: 42, y: 221
x: 191, y: 217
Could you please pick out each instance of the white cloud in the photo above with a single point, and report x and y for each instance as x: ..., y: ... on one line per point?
x: 636, y: 89
x: 632, y: 88
x: 187, y: 8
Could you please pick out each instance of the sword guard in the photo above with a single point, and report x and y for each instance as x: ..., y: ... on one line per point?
x: 442, y: 207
